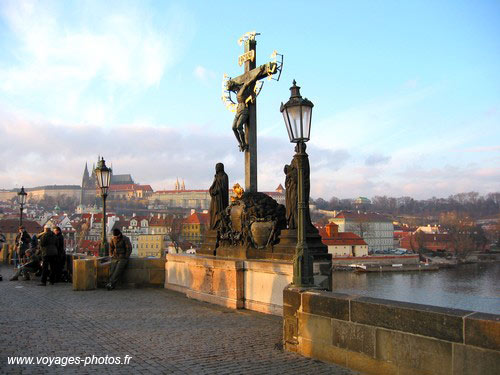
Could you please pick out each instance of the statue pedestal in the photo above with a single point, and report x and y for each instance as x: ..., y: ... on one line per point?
x: 234, y: 283
x: 210, y: 243
x: 288, y: 244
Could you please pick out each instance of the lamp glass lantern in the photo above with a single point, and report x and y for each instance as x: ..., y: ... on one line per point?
x: 297, y: 113
x: 103, y: 174
x: 21, y: 196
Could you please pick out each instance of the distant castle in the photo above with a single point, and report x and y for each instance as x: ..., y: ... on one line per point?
x: 89, y: 193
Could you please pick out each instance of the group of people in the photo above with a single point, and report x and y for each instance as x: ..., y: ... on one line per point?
x: 42, y: 255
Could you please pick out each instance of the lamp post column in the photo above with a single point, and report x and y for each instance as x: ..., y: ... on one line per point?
x: 104, y: 242
x: 21, y: 215
x: 302, y: 261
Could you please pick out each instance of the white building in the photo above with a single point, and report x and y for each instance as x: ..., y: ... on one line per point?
x: 377, y: 230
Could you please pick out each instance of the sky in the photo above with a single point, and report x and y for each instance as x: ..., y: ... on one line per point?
x: 406, y: 94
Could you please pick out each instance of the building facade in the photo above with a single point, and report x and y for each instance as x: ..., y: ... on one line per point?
x: 375, y: 229
x: 152, y: 245
x: 194, y: 227
x: 342, y: 244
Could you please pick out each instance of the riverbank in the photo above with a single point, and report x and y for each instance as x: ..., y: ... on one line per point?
x: 408, y: 263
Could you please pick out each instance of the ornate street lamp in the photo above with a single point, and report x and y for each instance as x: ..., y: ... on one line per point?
x: 103, y: 175
x: 21, y: 198
x: 297, y: 113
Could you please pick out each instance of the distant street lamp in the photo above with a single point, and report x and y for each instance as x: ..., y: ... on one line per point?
x: 103, y: 175
x: 21, y: 197
x: 297, y: 113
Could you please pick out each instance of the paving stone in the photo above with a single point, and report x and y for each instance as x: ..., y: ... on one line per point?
x: 163, y: 331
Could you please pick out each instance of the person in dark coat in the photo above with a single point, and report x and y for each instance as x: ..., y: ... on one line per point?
x: 61, y: 253
x: 22, y: 244
x: 120, y: 249
x: 48, y: 248
x: 219, y: 193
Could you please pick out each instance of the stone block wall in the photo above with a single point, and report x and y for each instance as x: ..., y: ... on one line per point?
x: 209, y: 279
x: 376, y: 336
x: 91, y: 272
x: 145, y: 272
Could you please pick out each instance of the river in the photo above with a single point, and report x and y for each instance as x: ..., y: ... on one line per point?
x: 473, y: 287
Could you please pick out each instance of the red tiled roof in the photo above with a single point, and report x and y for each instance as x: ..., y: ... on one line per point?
x: 88, y: 245
x: 341, y: 238
x: 155, y: 221
x: 12, y: 225
x: 98, y: 217
x: 198, y: 218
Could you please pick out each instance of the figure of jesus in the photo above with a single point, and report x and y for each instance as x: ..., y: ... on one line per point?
x: 244, y: 94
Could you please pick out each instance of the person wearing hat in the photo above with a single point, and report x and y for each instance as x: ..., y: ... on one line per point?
x: 48, y: 248
x: 120, y: 249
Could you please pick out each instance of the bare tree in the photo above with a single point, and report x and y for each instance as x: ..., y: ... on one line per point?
x: 465, y: 235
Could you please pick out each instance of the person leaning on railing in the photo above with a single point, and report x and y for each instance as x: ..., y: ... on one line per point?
x: 120, y: 249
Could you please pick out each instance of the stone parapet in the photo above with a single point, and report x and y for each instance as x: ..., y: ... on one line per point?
x: 377, y: 336
x: 253, y: 284
x: 209, y: 279
x: 93, y: 272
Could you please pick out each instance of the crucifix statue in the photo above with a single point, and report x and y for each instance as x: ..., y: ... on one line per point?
x: 246, y: 87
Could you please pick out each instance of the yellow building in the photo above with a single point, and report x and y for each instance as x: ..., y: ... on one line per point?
x: 151, y: 245
x: 194, y: 227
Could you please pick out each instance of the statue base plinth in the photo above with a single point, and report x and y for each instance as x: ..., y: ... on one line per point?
x: 284, y: 250
x: 210, y: 243
x: 288, y: 245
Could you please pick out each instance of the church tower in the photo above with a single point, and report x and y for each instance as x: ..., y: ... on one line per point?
x: 85, y: 183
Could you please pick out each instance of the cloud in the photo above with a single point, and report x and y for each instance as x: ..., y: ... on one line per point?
x: 203, y: 74
x: 70, y: 62
x: 483, y: 149
x: 37, y: 152
x: 375, y: 159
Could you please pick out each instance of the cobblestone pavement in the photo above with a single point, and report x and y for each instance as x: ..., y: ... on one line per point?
x: 164, y: 332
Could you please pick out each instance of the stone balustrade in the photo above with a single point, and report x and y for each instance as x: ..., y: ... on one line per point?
x: 376, y: 336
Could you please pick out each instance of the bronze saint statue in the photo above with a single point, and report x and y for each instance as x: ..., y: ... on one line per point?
x: 219, y: 193
x: 244, y: 93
